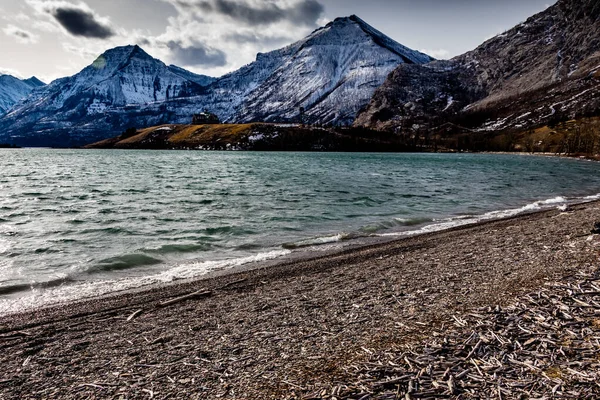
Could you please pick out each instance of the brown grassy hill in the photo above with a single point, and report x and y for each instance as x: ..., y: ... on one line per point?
x: 255, y: 136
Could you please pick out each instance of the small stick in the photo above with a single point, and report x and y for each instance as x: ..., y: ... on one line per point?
x: 195, y: 295
x: 474, y: 349
x: 135, y: 314
x: 233, y: 283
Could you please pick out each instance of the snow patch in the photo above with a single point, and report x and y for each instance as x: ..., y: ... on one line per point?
x: 450, y: 100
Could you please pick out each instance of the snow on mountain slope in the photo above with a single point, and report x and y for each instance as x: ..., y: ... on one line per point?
x: 332, y: 73
x: 121, y: 76
x: 202, y: 80
x: 98, y: 99
x: 13, y: 89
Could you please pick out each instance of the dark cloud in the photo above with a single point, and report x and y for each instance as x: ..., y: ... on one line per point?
x: 143, y: 42
x: 305, y: 12
x: 20, y: 34
x: 196, y: 55
x: 80, y: 22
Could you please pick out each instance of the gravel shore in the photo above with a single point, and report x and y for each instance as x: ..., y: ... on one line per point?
x: 503, y: 309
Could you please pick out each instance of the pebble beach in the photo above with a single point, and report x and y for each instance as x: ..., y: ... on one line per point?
x: 501, y: 309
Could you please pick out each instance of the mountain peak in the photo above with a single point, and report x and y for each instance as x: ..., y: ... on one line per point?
x: 332, y: 73
x: 12, y: 90
x: 34, y: 82
x: 349, y: 18
x: 129, y: 51
x: 341, y: 24
x: 120, y: 55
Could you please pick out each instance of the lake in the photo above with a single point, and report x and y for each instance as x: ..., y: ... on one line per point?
x: 78, y: 223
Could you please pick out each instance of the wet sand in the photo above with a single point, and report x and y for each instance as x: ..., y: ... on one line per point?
x: 292, y: 330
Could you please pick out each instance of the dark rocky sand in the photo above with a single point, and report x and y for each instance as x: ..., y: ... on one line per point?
x: 476, y: 312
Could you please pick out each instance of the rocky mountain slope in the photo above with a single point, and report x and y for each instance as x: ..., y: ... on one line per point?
x: 547, y: 68
x: 104, y: 95
x: 13, y: 89
x: 331, y: 74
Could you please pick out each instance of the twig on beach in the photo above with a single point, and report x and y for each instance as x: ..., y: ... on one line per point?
x: 135, y: 314
x: 100, y: 386
x: 15, y: 335
x: 195, y: 295
x: 292, y: 384
x: 232, y: 283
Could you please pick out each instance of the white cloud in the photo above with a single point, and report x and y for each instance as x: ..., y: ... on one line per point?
x: 9, y: 71
x: 83, y: 52
x: 440, y: 54
x: 238, y: 28
x: 46, y: 26
x: 22, y: 17
x: 20, y: 35
x: 211, y: 37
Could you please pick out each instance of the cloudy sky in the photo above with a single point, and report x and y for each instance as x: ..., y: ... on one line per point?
x: 55, y: 38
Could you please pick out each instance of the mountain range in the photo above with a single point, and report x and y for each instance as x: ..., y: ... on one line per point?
x: 542, y: 70
x: 332, y: 74
x: 14, y: 89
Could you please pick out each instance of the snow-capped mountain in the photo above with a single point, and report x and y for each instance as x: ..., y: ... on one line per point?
x: 76, y: 109
x: 543, y: 69
x: 332, y: 73
x: 13, y: 89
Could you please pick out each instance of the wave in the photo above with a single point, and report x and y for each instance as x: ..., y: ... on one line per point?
x: 65, y: 289
x: 25, y: 287
x: 461, y: 220
x: 233, y: 230
x: 123, y: 262
x: 315, y: 241
x: 413, y: 221
x: 110, y: 231
x: 180, y: 248
x: 60, y: 293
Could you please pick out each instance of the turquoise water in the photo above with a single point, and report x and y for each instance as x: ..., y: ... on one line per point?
x: 79, y: 223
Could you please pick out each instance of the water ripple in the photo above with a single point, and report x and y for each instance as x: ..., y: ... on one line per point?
x: 94, y: 215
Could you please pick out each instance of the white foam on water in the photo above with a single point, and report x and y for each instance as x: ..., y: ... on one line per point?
x: 4, y: 246
x: 453, y: 222
x: 318, y: 240
x: 44, y: 297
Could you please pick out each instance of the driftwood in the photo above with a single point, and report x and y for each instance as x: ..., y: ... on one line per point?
x: 376, y: 323
x: 233, y: 283
x: 546, y: 345
x: 135, y: 314
x: 195, y: 295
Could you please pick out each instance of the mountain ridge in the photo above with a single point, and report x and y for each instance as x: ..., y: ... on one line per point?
x: 331, y: 73
x: 538, y: 71
x: 13, y: 89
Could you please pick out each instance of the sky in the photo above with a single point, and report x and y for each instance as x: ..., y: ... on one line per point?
x: 56, y: 38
